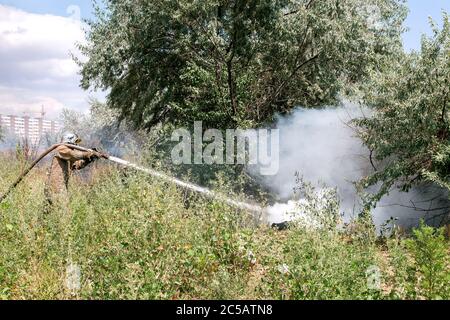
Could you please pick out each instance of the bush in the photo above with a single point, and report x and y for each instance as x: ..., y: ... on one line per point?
x: 431, y: 262
x: 123, y: 235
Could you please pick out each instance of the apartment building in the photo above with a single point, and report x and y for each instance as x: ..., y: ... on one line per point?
x: 32, y: 129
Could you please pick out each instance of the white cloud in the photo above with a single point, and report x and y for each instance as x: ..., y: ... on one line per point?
x: 21, y: 101
x: 35, y: 63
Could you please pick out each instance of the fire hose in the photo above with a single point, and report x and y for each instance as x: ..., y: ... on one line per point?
x: 206, y: 192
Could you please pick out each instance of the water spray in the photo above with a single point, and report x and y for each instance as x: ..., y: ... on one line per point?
x: 187, y: 185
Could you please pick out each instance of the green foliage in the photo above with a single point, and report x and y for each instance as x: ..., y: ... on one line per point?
x: 134, y: 237
x: 231, y: 63
x: 409, y: 133
x: 320, y: 265
x: 131, y: 237
x: 422, y: 269
x: 430, y: 251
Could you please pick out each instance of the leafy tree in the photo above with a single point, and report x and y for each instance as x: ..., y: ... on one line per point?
x: 233, y: 62
x: 409, y: 132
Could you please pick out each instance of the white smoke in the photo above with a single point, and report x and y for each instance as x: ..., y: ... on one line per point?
x: 321, y: 146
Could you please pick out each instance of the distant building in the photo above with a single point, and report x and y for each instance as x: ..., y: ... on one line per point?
x: 31, y: 129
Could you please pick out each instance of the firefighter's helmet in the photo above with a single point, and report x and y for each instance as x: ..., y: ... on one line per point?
x: 71, y: 138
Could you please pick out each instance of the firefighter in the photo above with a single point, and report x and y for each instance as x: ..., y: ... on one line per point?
x: 63, y: 163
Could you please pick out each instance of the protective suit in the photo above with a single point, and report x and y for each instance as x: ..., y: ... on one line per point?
x: 64, y: 161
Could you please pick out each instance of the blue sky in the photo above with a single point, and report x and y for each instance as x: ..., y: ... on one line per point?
x: 417, y: 21
x: 55, y: 7
x: 36, y: 37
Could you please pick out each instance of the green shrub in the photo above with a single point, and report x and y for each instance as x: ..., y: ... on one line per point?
x: 431, y: 262
x: 135, y: 237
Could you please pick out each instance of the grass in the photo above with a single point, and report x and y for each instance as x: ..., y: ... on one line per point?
x: 133, y: 237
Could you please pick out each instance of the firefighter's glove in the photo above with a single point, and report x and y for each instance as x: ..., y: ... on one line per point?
x: 100, y: 154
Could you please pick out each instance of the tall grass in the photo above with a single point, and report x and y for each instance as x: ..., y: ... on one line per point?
x: 133, y: 237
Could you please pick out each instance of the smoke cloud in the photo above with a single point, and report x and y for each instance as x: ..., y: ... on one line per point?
x: 321, y: 146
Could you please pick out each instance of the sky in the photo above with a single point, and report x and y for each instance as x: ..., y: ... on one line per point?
x: 37, y: 36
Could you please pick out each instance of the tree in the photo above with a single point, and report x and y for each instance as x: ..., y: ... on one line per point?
x: 100, y: 128
x: 233, y: 62
x: 409, y: 131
